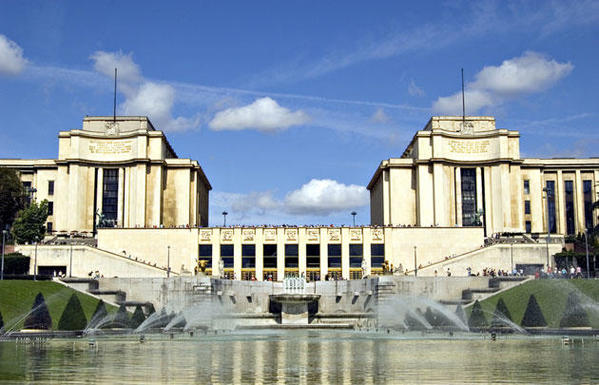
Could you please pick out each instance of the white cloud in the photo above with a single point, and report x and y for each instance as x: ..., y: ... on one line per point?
x: 318, y: 197
x: 527, y: 74
x: 142, y: 97
x: 379, y: 116
x: 325, y: 196
x: 264, y: 114
x: 12, y: 61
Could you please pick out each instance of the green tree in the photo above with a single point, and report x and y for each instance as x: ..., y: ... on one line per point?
x: 500, y: 314
x: 574, y: 314
x: 533, y: 316
x: 12, y: 196
x: 477, y: 317
x: 73, y: 317
x: 30, y: 225
x: 39, y: 318
x: 138, y: 317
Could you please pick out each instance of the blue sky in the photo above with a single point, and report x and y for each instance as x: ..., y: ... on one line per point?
x: 290, y: 106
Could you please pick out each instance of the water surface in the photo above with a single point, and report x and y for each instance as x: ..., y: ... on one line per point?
x: 302, y: 357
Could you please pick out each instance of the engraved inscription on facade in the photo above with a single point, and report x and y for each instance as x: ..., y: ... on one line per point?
x: 110, y: 147
x: 248, y: 235
x: 291, y: 235
x: 377, y: 235
x: 270, y: 235
x: 334, y: 235
x: 226, y: 235
x: 469, y: 147
x: 205, y: 235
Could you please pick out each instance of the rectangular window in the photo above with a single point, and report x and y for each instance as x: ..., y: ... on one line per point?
x: 334, y: 259
x: 469, y: 215
x: 50, y: 187
x: 226, y: 254
x: 528, y: 227
x: 550, y: 196
x: 526, y: 207
x: 355, y: 255
x: 291, y: 256
x: 526, y: 187
x: 28, y: 193
x: 377, y: 255
x: 587, y: 192
x: 270, y: 256
x: 49, y: 227
x: 205, y: 253
x: 110, y: 193
x: 248, y: 256
x: 313, y: 256
x: 569, y: 191
x: 50, y: 208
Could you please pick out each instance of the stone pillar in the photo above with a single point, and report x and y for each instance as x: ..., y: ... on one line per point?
x: 216, y: 252
x: 280, y: 253
x: 259, y: 239
x: 120, y: 195
x: 301, y: 251
x: 324, y: 253
x: 440, y: 196
x: 237, y: 253
x: 458, y: 196
x: 345, y: 252
x: 560, y: 206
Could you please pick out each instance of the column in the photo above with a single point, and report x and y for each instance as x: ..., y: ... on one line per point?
x: 301, y: 251
x: 259, y: 239
x: 216, y: 253
x: 458, y: 196
x: 345, y: 252
x: 578, y: 203
x: 280, y: 253
x: 237, y: 253
x: 560, y: 207
x: 120, y: 195
x: 324, y: 253
x: 440, y: 195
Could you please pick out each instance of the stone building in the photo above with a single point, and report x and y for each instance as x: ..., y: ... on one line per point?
x: 458, y: 183
x: 119, y: 171
x: 469, y: 173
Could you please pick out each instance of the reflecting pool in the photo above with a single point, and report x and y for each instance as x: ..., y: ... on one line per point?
x: 302, y: 357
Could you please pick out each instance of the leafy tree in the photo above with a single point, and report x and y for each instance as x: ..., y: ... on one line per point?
x: 39, y: 318
x: 574, y: 314
x: 500, y: 314
x: 30, y: 225
x: 477, y: 317
x: 138, y: 317
x: 73, y: 317
x: 533, y: 316
x: 12, y: 196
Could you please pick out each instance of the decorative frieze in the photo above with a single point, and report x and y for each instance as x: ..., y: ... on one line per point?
x: 334, y: 235
x: 205, y: 235
x: 226, y: 235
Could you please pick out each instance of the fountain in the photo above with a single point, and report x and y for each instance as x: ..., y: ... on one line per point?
x: 294, y: 301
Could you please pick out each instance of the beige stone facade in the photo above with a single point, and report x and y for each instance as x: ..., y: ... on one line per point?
x: 465, y: 173
x: 122, y: 168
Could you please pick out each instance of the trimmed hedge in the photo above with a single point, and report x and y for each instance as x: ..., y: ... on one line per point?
x: 73, y: 317
x: 533, y: 316
x: 574, y: 314
x: 477, y: 317
x: 500, y: 314
x: 16, y: 264
x: 39, y: 318
x: 137, y: 318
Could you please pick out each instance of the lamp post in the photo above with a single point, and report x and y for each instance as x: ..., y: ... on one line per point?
x: 35, y: 264
x: 586, y: 243
x: 225, y: 218
x: 353, y: 213
x: 3, y: 242
x: 71, y: 261
x: 415, y: 263
x: 168, y: 261
x: 548, y: 224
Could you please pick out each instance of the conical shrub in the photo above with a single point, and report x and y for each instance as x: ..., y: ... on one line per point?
x: 500, y: 314
x: 574, y: 314
x: 39, y: 318
x: 533, y: 316
x: 73, y: 317
x: 137, y: 318
x: 151, y: 310
x: 436, y: 318
x: 477, y: 317
x: 121, y: 318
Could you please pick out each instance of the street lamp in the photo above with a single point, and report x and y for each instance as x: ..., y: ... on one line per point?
x: 3, y: 242
x: 415, y: 263
x: 71, y: 261
x: 225, y: 218
x: 586, y: 243
x: 353, y: 213
x: 35, y: 264
x: 168, y: 261
x: 548, y: 225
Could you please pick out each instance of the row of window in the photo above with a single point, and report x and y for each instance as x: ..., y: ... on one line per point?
x: 248, y: 255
